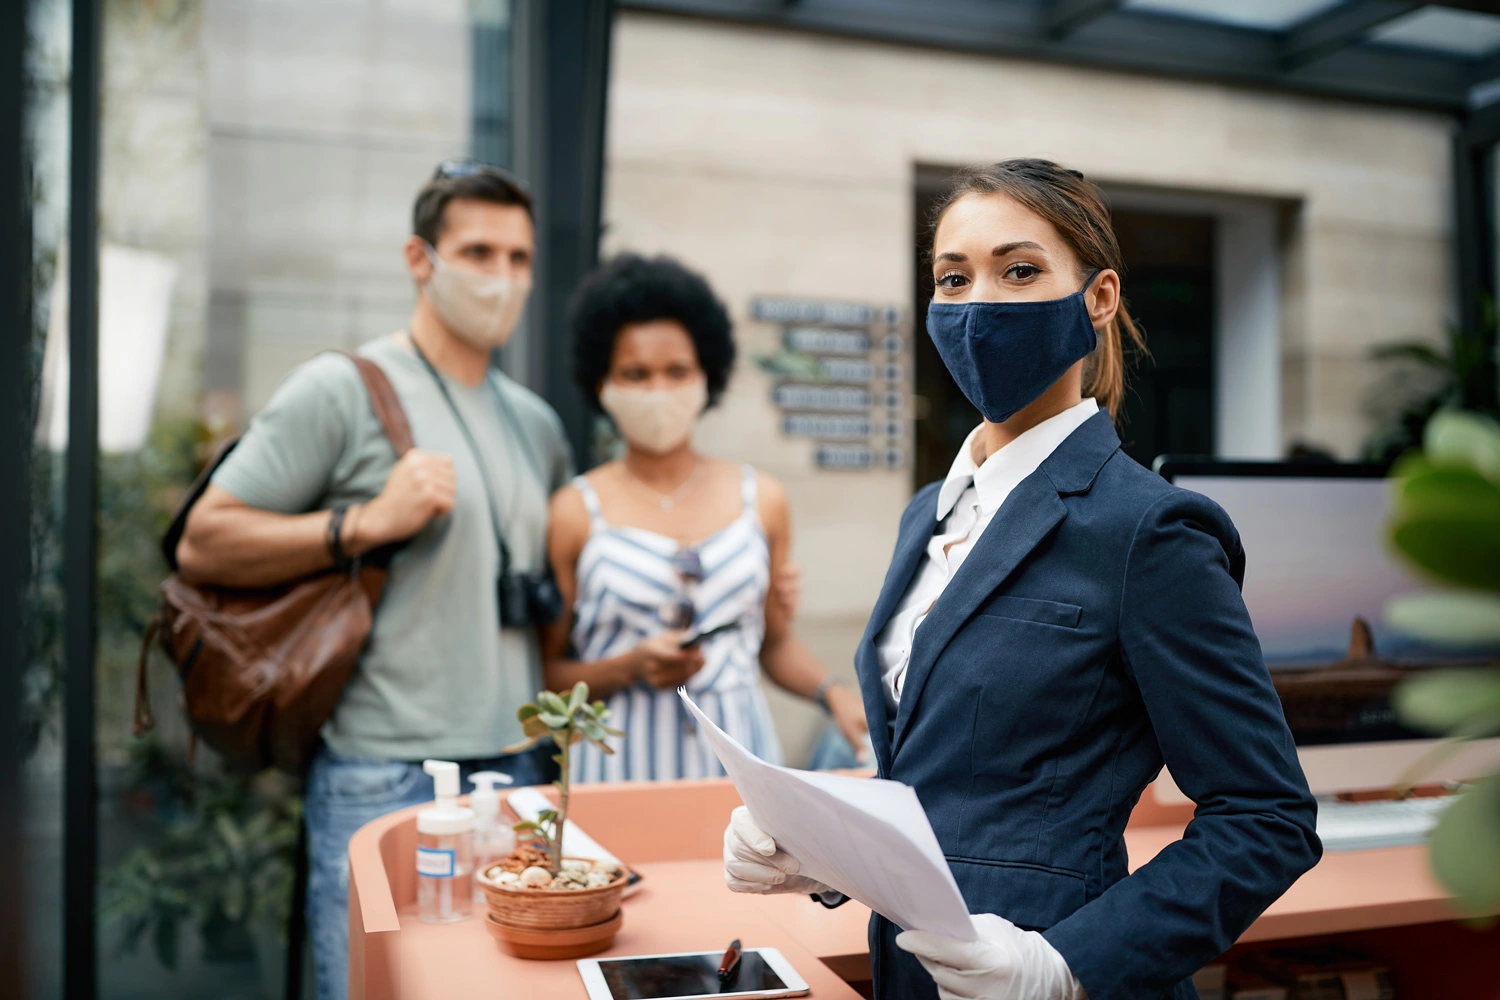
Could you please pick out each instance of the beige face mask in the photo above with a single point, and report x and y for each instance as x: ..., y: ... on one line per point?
x: 481, y: 309
x: 655, y: 420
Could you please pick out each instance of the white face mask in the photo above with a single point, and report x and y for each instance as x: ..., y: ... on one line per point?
x: 655, y: 420
x: 480, y: 309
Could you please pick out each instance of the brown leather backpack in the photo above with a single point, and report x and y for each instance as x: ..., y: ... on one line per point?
x: 263, y: 669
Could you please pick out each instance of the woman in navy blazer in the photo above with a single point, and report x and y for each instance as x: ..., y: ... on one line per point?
x: 1030, y: 671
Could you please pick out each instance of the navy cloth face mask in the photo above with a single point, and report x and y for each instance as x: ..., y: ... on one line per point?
x: 1003, y: 355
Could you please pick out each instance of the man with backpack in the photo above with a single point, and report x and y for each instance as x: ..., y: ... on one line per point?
x: 315, y: 482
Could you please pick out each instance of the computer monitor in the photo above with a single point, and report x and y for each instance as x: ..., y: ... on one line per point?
x: 1318, y: 576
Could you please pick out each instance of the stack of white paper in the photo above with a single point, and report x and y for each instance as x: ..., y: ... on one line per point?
x: 866, y: 837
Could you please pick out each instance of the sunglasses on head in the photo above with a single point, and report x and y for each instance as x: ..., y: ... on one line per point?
x: 459, y: 168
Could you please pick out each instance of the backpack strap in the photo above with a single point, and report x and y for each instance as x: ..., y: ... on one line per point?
x: 383, y: 400
x: 385, y: 403
x: 144, y: 721
x: 195, y: 491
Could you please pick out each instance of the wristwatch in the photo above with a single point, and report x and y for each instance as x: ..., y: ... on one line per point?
x: 333, y: 536
x: 821, y: 695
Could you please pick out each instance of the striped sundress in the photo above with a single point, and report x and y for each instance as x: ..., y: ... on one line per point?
x: 625, y: 576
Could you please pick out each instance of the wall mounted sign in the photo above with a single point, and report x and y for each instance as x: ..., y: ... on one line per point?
x: 812, y: 340
x: 845, y: 456
x: 820, y: 397
x: 829, y: 428
x: 840, y: 378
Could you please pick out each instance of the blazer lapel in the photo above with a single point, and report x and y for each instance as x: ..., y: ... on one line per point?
x: 911, y: 548
x: 1026, y: 517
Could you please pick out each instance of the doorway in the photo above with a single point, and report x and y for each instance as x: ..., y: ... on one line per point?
x: 1169, y: 290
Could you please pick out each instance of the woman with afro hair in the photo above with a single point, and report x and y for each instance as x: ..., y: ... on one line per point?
x: 665, y: 557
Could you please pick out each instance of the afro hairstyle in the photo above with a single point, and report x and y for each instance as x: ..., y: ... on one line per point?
x: 633, y: 289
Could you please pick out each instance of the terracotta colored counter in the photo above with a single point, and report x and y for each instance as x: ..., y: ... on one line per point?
x: 672, y: 833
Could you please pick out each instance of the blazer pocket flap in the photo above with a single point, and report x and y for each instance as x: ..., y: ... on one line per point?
x: 1030, y: 896
x: 1030, y: 609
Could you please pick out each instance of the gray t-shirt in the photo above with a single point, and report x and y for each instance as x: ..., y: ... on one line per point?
x: 440, y: 677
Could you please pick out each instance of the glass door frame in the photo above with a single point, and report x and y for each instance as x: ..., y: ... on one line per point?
x: 17, y: 306
x: 15, y: 457
x: 1475, y: 196
x: 80, y: 534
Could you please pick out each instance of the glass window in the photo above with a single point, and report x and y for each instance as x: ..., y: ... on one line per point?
x: 259, y: 159
x: 48, y: 71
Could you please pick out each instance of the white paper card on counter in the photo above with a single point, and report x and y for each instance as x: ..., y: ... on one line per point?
x: 528, y: 803
x: 866, y: 837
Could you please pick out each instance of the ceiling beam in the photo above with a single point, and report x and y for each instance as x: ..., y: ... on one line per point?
x: 1067, y: 16
x: 1123, y: 39
x: 1483, y: 126
x: 1336, y: 29
x: 1477, y: 6
x: 1487, y: 69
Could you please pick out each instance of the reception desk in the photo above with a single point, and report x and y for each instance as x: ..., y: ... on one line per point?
x: 1383, y: 902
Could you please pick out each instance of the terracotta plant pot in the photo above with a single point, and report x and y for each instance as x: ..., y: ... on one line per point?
x: 553, y: 923
x: 574, y: 942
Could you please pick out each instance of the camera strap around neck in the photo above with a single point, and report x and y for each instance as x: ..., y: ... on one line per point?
x: 484, y: 476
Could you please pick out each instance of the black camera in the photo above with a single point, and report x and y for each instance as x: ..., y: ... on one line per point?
x: 527, y: 600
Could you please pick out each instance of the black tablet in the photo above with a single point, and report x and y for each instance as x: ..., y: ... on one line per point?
x: 762, y: 972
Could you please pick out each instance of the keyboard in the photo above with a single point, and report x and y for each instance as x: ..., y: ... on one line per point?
x: 1353, y: 826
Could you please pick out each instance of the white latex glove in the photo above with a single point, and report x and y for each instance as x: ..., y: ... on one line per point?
x: 753, y: 862
x: 1006, y: 963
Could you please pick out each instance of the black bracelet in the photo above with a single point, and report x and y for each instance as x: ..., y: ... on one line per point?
x: 334, y: 536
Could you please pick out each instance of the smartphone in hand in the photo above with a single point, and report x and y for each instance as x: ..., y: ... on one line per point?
x: 692, y: 637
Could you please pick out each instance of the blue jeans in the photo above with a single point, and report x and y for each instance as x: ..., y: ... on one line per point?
x: 345, y: 793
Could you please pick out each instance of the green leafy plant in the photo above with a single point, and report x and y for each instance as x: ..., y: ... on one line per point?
x: 1446, y: 523
x: 567, y: 720
x: 1425, y: 379
x: 220, y: 857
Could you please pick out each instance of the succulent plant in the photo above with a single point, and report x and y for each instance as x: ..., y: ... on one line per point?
x: 566, y: 719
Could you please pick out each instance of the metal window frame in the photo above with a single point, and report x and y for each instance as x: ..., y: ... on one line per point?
x: 562, y: 72
x: 80, y: 512
x: 1321, y: 55
x: 15, y: 455
x: 1474, y: 201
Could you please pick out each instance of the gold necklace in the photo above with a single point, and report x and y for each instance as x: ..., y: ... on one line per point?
x: 667, y: 500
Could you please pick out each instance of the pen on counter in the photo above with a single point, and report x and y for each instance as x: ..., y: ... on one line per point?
x: 730, y: 964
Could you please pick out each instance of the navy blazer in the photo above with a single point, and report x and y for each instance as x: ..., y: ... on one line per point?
x: 1095, y: 630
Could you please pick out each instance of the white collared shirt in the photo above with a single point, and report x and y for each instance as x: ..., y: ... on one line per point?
x: 965, y: 505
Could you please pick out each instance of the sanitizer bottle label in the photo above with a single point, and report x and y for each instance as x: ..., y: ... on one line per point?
x: 434, y: 863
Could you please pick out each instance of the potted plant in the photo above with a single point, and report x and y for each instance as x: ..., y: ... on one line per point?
x: 1446, y: 523
x: 541, y: 904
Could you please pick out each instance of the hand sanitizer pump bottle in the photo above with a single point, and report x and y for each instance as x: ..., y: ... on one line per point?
x: 493, y: 838
x: 445, y: 851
